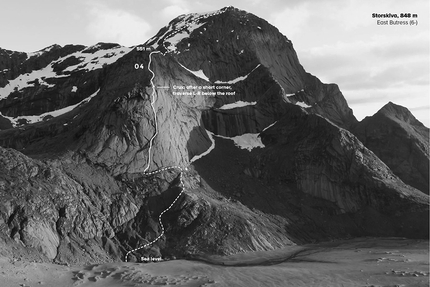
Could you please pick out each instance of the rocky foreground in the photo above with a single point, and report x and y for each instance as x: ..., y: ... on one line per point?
x: 360, y: 262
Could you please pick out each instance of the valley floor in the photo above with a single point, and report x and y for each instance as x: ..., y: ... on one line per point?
x: 357, y: 262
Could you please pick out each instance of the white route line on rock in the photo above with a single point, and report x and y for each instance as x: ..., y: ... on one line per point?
x: 154, y: 98
x: 181, y: 184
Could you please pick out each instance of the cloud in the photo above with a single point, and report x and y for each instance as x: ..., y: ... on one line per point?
x: 174, y: 11
x: 366, y: 102
x: 291, y: 20
x: 176, y: 2
x: 410, y: 48
x: 372, y: 63
x: 423, y: 108
x: 396, y: 75
x: 115, y: 25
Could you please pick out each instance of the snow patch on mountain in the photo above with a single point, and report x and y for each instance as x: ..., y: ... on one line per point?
x: 181, y: 28
x: 211, y: 137
x: 238, y: 104
x: 40, y: 52
x: 293, y: 101
x: 101, y: 46
x: 177, y: 37
x: 200, y: 74
x: 269, y: 126
x: 88, y: 61
x: 29, y: 80
x: 303, y: 105
x: 96, y: 60
x: 247, y: 141
x: 238, y: 79
x: 293, y: 94
x: 38, y: 118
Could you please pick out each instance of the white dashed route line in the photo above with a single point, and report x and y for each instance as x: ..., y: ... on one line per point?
x: 164, y: 211
x: 151, y: 142
x: 159, y: 170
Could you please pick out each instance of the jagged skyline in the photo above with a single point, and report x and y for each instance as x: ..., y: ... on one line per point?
x: 338, y: 41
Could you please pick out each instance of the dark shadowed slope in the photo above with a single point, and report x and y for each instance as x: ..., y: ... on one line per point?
x: 401, y: 141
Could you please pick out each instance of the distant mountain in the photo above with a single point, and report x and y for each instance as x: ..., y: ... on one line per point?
x: 98, y: 142
x: 36, y: 86
x: 401, y: 141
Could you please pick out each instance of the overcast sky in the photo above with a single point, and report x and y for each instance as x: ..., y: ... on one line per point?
x: 336, y: 40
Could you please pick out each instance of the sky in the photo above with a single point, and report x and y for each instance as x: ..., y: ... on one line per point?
x: 336, y: 40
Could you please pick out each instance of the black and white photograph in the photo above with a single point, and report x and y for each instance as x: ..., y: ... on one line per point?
x: 214, y: 143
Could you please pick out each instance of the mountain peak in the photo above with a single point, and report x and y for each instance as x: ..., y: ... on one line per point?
x: 186, y: 26
x: 44, y: 50
x: 397, y: 112
x: 179, y: 28
x: 101, y: 46
x: 404, y: 146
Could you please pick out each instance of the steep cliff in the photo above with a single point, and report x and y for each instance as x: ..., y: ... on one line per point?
x: 235, y: 47
x: 330, y: 163
x: 311, y: 169
x: 401, y: 141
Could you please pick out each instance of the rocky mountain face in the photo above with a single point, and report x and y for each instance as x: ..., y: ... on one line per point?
x: 35, y: 86
x: 96, y: 142
x: 401, y: 141
x: 235, y: 45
